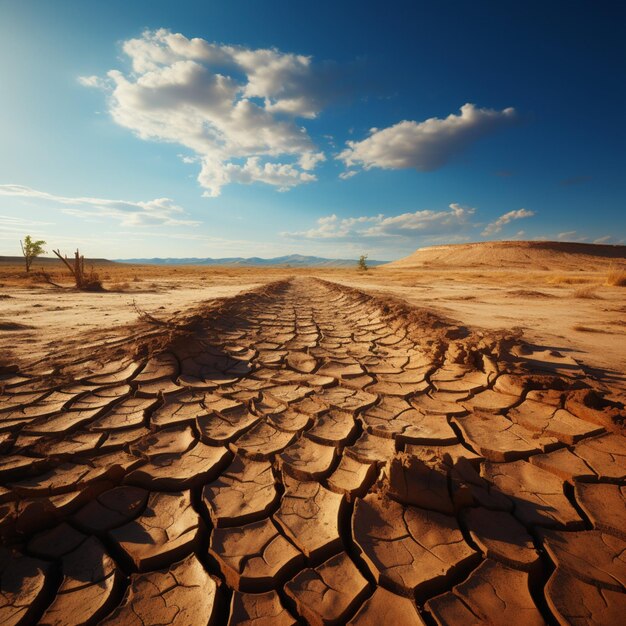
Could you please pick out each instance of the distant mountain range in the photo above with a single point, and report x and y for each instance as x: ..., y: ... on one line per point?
x: 291, y: 260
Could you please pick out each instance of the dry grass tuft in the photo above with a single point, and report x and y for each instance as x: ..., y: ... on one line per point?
x: 530, y: 293
x: 119, y: 287
x: 616, y: 278
x: 587, y: 293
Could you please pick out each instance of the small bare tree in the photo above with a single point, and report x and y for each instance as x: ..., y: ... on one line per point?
x: 31, y: 250
x: 362, y: 265
x: 84, y: 281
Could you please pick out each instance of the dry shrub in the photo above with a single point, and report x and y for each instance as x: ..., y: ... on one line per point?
x: 616, y: 278
x: 90, y: 281
x: 587, y: 293
x: 119, y: 287
x: 41, y: 276
x: 37, y: 277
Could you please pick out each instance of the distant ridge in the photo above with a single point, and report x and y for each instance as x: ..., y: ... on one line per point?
x: 291, y: 260
x: 542, y: 255
x: 45, y: 260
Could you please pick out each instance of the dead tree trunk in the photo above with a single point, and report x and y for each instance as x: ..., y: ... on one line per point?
x: 76, y: 267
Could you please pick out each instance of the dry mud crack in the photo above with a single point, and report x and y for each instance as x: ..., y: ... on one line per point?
x: 308, y: 453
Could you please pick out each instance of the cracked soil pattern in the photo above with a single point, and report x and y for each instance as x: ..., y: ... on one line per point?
x: 306, y: 453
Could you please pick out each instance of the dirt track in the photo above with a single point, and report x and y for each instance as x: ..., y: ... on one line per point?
x: 307, y: 451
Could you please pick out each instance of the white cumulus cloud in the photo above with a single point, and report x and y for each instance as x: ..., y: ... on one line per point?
x: 284, y: 176
x: 495, y: 227
x: 427, y: 145
x: 234, y: 107
x: 157, y: 212
x: 406, y: 226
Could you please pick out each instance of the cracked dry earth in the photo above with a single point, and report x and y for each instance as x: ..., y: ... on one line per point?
x: 307, y: 453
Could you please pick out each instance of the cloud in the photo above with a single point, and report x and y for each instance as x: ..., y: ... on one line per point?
x: 572, y: 236
x: 11, y: 227
x: 309, y: 160
x: 10, y: 222
x: 234, y: 107
x: 92, y: 81
x: 605, y: 239
x: 282, y: 175
x: 157, y: 212
x: 422, y: 222
x: 348, y: 174
x: 427, y: 145
x: 495, y: 227
x: 566, y: 235
x: 406, y: 226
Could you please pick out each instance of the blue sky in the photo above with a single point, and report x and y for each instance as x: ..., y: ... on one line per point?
x: 241, y: 128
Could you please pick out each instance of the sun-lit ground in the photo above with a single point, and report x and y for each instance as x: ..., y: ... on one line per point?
x: 575, y: 312
x: 188, y: 425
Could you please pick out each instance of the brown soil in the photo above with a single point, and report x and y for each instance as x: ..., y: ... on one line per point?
x: 541, y: 254
x: 304, y: 452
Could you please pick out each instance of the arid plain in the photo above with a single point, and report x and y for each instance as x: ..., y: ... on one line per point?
x: 434, y: 441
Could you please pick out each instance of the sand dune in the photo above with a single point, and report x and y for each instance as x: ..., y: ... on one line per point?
x: 537, y: 255
x: 309, y: 451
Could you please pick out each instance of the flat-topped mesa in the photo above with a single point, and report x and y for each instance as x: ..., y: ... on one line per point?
x: 535, y: 255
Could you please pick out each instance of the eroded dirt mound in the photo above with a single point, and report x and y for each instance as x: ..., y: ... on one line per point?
x: 309, y: 453
x: 548, y: 255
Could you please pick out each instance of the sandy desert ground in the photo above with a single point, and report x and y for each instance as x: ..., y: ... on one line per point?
x: 439, y: 441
